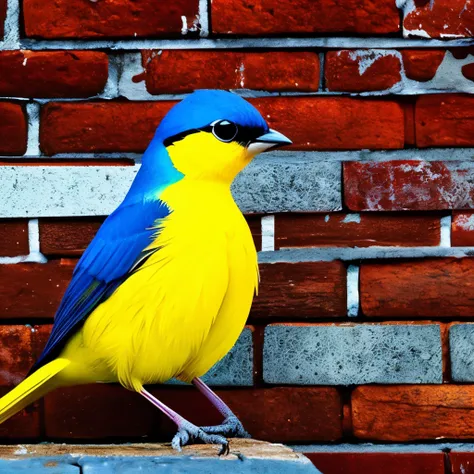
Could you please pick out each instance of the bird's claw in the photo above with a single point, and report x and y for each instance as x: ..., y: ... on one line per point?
x: 231, y: 427
x: 189, y: 433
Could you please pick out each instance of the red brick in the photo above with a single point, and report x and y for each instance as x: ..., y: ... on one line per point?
x: 445, y: 120
x: 419, y: 288
x: 413, y: 412
x: 276, y: 414
x: 330, y: 123
x: 67, y: 237
x: 178, y: 71
x: 52, y: 74
x: 13, y: 237
x: 462, y: 229
x: 312, y: 123
x: 99, y: 126
x: 16, y: 349
x: 33, y: 290
x: 441, y: 19
x: 13, y: 129
x: 468, y: 71
x: 25, y: 425
x: 312, y: 289
x: 356, y: 230
x: 255, y: 225
x: 3, y: 15
x: 421, y: 64
x: 346, y: 70
x: 119, y: 18
x: 462, y: 463
x: 374, y: 463
x: 408, y: 185
x: 409, y: 116
x: 264, y: 17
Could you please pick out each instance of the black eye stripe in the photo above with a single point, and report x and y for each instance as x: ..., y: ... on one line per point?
x: 244, y: 135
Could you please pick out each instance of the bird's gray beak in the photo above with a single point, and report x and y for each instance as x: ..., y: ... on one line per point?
x: 271, y: 139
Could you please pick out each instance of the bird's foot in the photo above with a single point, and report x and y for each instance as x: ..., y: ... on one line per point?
x: 189, y: 433
x: 231, y: 427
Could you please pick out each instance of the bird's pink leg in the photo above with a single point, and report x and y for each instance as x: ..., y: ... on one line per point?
x: 187, y: 432
x: 231, y: 425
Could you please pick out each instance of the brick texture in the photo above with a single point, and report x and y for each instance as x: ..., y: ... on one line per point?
x: 371, y: 463
x: 272, y: 71
x: 13, y: 238
x: 301, y: 290
x: 462, y: 229
x: 33, y: 290
x: 52, y: 74
x: 264, y: 17
x: 347, y: 71
x: 411, y: 413
x: 444, y: 120
x: 462, y: 463
x: 408, y: 185
x: 356, y: 230
x: 440, y: 19
x: 312, y: 124
x: 52, y: 19
x: 284, y: 414
x: 418, y: 288
x: 421, y: 64
x: 13, y: 129
x: 346, y: 354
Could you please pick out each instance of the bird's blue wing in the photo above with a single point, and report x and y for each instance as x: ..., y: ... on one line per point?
x: 115, y: 251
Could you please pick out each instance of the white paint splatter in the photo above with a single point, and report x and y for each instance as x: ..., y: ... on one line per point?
x: 351, y: 219
x: 268, y: 233
x: 367, y: 57
x: 242, y: 74
x: 184, y: 28
x: 25, y: 60
x: 327, y: 217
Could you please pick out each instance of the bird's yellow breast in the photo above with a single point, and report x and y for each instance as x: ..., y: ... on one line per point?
x: 185, y: 307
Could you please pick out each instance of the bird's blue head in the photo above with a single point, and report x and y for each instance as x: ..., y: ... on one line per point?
x: 214, y: 134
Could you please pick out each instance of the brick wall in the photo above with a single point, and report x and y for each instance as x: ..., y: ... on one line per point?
x: 366, y: 224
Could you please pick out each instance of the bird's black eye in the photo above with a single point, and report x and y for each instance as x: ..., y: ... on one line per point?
x: 224, y: 130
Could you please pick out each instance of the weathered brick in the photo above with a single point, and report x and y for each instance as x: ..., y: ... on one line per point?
x: 462, y: 229
x: 98, y: 126
x: 33, y: 290
x: 77, y: 19
x: 312, y: 289
x: 445, y: 120
x: 361, y: 70
x: 271, y: 70
x: 313, y: 123
x: 16, y: 349
x: 263, y: 17
x: 372, y: 463
x: 410, y: 413
x: 461, y: 345
x: 408, y: 185
x: 255, y: 224
x: 421, y: 64
x: 13, y: 238
x: 418, y: 288
x: 335, y: 123
x: 269, y: 185
x: 52, y: 73
x: 352, y: 354
x: 461, y: 462
x: 13, y: 129
x: 356, y: 230
x: 439, y: 19
x: 67, y: 237
x: 277, y: 414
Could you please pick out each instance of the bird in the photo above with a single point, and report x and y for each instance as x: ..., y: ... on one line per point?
x: 165, y: 287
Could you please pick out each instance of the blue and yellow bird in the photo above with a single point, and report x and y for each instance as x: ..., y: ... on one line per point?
x: 165, y: 287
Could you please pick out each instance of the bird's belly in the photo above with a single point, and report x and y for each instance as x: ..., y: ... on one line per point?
x: 176, y: 316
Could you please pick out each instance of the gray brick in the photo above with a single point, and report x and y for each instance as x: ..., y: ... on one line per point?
x: 267, y: 185
x: 236, y: 368
x: 352, y: 354
x: 461, y: 347
x: 272, y: 184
